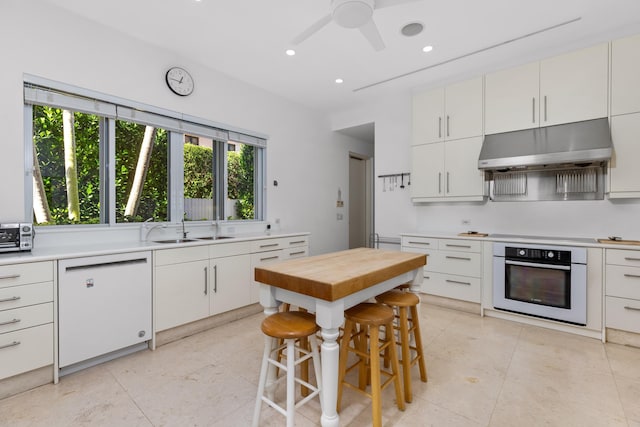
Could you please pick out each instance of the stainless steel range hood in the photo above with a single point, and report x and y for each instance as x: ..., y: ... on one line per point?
x: 572, y: 144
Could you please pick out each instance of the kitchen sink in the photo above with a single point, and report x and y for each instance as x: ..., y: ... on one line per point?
x: 174, y: 241
x: 214, y: 237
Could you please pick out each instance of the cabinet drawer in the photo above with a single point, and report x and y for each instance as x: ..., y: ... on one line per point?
x: 263, y: 258
x: 458, y: 263
x: 459, y: 245
x: 296, y: 241
x: 452, y: 286
x: 623, y: 314
x: 419, y: 242
x: 25, y: 350
x: 26, y: 317
x: 20, y: 296
x: 179, y: 255
x: 623, y: 281
x: 229, y: 249
x: 296, y: 252
x: 20, y: 274
x: 623, y: 257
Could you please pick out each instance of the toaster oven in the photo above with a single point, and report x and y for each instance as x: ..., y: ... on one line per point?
x: 16, y: 237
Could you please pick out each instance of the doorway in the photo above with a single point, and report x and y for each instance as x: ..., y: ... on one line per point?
x: 360, y: 200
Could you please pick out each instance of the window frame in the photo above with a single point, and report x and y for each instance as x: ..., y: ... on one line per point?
x: 178, y: 125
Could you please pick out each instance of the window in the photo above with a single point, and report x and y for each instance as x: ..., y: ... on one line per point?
x: 99, y: 161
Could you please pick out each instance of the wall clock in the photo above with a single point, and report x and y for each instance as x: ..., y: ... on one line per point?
x: 179, y: 81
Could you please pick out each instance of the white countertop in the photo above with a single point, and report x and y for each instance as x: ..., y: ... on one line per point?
x: 102, y: 248
x: 544, y: 240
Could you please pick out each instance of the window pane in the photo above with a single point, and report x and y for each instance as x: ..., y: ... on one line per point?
x: 66, y: 179
x: 241, y: 181
x: 141, y: 172
x: 199, y: 156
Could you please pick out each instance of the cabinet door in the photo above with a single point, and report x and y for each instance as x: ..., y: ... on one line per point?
x: 573, y: 87
x: 182, y: 293
x: 463, y: 109
x: 428, y: 117
x: 623, y: 168
x: 427, y: 170
x: 462, y: 177
x: 230, y: 283
x: 511, y: 99
x: 625, y: 75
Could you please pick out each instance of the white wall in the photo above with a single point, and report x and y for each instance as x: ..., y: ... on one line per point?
x: 396, y: 214
x: 309, y: 161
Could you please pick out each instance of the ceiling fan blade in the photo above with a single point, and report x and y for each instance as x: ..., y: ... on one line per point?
x: 379, y: 4
x: 371, y: 33
x: 314, y: 28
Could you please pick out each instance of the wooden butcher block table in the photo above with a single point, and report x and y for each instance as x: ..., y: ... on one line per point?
x: 328, y: 285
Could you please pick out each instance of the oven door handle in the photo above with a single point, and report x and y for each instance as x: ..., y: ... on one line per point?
x: 533, y: 264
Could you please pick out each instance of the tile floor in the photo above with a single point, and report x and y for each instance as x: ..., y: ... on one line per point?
x: 482, y: 372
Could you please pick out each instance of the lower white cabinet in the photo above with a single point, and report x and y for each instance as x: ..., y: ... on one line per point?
x: 622, y: 290
x: 26, y: 317
x: 454, y: 266
x: 229, y: 283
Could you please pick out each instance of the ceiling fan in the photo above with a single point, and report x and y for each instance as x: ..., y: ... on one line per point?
x: 353, y: 14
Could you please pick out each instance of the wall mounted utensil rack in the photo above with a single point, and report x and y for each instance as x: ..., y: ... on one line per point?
x: 393, y: 180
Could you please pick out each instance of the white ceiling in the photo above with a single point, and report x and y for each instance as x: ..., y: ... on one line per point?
x: 247, y: 39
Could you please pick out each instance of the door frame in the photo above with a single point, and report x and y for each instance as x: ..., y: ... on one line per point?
x: 369, y: 197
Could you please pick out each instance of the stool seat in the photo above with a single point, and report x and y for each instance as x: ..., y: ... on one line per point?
x: 398, y: 298
x: 290, y: 325
x: 370, y: 314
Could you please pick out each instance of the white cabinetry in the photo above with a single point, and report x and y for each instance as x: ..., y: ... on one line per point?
x: 26, y: 317
x: 447, y: 113
x: 454, y: 266
x: 624, y: 173
x: 622, y: 289
x: 625, y: 75
x: 268, y: 251
x: 230, y: 277
x: 562, y: 89
x: 447, y: 171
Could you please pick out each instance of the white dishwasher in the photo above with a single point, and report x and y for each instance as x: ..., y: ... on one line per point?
x: 104, y: 305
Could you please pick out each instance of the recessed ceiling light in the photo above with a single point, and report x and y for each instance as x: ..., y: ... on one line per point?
x: 339, y: 81
x: 412, y: 29
x: 290, y: 52
x: 427, y: 48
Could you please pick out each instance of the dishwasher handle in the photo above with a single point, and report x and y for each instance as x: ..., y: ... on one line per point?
x: 107, y: 264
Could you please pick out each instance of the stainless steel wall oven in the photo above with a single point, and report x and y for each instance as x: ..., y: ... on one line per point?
x: 541, y: 280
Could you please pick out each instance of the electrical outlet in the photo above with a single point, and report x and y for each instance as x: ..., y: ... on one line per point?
x: 277, y: 220
x: 339, y: 217
x: 466, y: 222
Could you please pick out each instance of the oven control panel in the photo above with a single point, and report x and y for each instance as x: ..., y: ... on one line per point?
x: 538, y: 255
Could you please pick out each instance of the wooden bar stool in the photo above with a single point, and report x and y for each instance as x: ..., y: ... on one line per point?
x: 409, y: 329
x: 292, y: 327
x: 362, y: 327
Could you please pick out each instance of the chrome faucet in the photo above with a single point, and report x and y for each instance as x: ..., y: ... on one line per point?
x: 146, y: 228
x: 184, y: 232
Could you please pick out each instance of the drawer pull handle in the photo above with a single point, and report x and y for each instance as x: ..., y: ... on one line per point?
x: 631, y: 308
x: 458, y: 282
x: 296, y: 253
x: 269, y: 257
x: 13, y: 344
x: 10, y: 322
x: 10, y: 276
x: 10, y: 299
x: 632, y: 275
x: 457, y: 246
x: 206, y: 280
x: 458, y: 257
x: 297, y: 242
x: 269, y: 245
x: 631, y: 259
x: 419, y: 243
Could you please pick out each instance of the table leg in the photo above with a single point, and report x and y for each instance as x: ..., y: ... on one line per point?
x: 330, y: 355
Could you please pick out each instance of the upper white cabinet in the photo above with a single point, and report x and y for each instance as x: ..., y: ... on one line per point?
x: 625, y: 75
x: 447, y: 171
x: 562, y: 89
x: 448, y: 113
x: 624, y: 173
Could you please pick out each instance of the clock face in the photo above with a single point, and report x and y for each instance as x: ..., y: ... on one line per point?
x: 179, y: 81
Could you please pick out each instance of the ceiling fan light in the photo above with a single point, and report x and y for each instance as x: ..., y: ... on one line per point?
x: 352, y: 13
